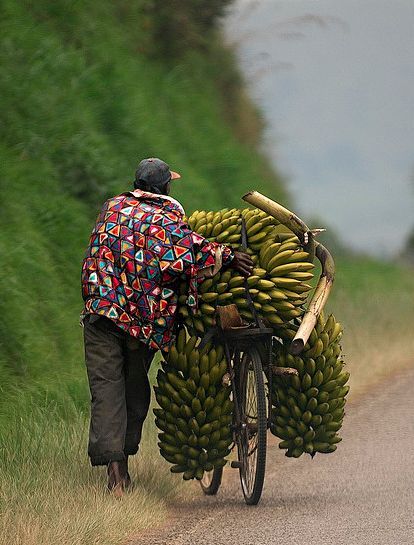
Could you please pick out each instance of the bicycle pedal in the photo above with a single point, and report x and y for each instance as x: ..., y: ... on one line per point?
x: 284, y: 371
x: 235, y: 464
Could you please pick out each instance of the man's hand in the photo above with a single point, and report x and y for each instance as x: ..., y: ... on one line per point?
x: 242, y: 262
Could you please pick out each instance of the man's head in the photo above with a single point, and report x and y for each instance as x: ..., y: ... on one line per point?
x: 155, y: 176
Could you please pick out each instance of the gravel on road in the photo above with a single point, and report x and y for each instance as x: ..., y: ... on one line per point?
x: 361, y: 494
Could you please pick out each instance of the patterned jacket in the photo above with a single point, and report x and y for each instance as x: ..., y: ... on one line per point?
x: 139, y: 252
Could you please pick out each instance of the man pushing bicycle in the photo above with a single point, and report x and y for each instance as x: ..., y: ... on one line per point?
x: 139, y: 251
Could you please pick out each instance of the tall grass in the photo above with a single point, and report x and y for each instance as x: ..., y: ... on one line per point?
x: 375, y: 303
x: 48, y: 492
x: 49, y: 495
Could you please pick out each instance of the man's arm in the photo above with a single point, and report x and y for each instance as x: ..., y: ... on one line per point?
x: 224, y: 256
x: 197, y: 258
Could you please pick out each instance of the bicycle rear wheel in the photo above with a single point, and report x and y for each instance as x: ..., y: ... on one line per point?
x: 211, y: 481
x: 252, y: 435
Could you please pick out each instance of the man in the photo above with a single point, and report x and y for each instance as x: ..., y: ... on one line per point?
x: 139, y: 252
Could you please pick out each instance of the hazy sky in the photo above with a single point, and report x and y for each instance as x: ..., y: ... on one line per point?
x: 335, y: 80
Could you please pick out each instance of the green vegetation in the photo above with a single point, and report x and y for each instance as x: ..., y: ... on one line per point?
x: 375, y: 302
x: 408, y: 251
x: 88, y: 89
x: 80, y: 107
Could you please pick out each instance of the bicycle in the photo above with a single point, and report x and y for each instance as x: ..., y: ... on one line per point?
x: 248, y: 350
x: 249, y: 354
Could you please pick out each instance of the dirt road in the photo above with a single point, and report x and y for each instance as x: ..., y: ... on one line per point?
x: 361, y: 494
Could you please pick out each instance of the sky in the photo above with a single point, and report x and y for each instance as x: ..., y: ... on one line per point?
x: 334, y: 80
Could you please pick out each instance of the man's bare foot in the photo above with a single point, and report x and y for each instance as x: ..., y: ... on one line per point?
x: 116, y: 478
x: 124, y: 471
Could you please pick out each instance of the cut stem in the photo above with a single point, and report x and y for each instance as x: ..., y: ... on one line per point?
x: 318, y: 300
x: 284, y: 216
x: 324, y: 286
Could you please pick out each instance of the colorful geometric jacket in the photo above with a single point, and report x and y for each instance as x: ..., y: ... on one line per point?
x: 139, y: 252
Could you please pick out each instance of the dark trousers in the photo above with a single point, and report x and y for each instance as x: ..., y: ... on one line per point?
x: 117, y: 366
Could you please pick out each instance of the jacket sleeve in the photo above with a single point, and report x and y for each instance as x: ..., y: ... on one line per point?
x: 223, y: 255
x: 196, y: 258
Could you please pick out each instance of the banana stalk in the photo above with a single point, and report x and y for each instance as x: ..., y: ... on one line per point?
x: 318, y: 300
x: 279, y: 212
x: 323, y: 288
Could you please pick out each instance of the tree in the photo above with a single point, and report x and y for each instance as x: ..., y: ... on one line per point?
x: 408, y: 252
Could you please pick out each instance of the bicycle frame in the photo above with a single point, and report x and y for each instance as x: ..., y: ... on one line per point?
x: 234, y: 341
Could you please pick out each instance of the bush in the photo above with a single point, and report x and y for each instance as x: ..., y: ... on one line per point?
x: 181, y: 25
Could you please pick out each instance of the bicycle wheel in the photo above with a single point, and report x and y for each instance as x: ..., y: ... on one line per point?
x: 211, y: 481
x: 252, y: 435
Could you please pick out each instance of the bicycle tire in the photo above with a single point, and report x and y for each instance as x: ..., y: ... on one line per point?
x: 211, y: 481
x: 252, y: 437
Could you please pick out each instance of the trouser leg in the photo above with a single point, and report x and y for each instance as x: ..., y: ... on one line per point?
x: 138, y: 358
x: 104, y: 357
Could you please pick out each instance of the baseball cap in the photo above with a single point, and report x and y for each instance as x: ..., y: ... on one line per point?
x: 155, y: 172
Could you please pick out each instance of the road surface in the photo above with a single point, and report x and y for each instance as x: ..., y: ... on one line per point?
x: 361, y: 494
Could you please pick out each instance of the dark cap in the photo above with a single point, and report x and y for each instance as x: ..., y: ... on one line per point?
x: 154, y: 172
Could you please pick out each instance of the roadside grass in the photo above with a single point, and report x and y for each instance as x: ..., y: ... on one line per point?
x: 375, y: 303
x: 49, y: 494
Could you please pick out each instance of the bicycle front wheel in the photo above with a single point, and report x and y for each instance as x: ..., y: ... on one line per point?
x: 211, y: 481
x: 252, y: 435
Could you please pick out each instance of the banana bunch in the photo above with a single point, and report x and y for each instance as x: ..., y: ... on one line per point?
x: 278, y: 285
x: 221, y: 226
x: 195, y: 409
x: 308, y: 409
